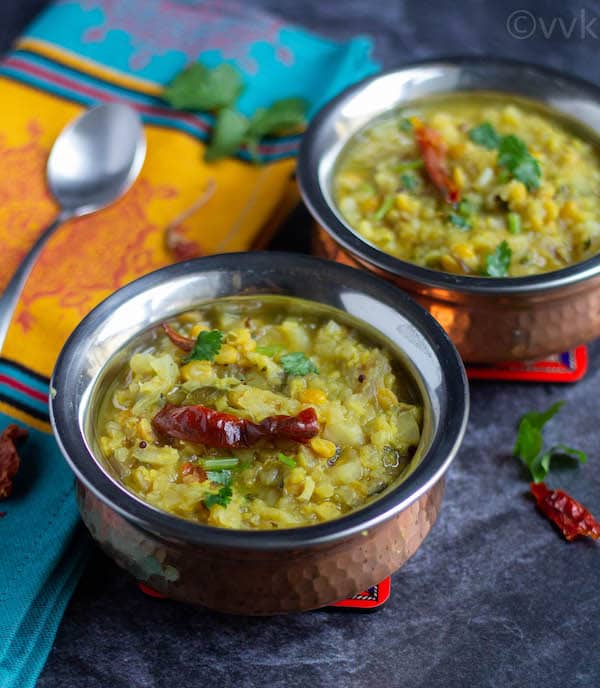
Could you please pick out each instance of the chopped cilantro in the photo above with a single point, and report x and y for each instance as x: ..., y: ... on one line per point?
x: 529, y: 443
x: 222, y: 477
x: 459, y: 221
x: 405, y: 125
x: 485, y: 135
x: 222, y: 497
x: 384, y: 208
x: 514, y: 156
x: 207, y: 346
x: 287, y: 460
x: 498, y: 262
x: 298, y: 363
x: 465, y: 208
x: 514, y: 223
x: 409, y: 181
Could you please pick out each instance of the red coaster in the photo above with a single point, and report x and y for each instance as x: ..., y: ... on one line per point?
x: 569, y: 366
x: 369, y: 600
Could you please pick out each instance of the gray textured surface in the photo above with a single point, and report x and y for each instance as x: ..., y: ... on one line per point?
x: 494, y: 597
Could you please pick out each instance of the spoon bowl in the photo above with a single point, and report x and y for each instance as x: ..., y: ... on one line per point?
x: 96, y: 158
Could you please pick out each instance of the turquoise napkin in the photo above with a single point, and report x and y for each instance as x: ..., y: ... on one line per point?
x: 43, y: 547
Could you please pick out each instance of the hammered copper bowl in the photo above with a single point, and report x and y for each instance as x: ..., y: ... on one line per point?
x: 488, y: 320
x: 258, y: 572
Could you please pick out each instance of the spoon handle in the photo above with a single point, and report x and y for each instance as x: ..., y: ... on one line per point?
x: 10, y: 297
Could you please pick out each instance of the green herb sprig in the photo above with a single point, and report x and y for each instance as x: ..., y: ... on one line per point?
x: 207, y: 346
x: 513, y: 155
x: 498, y: 262
x: 530, y: 442
x: 298, y: 363
x: 198, y: 87
x: 222, y: 498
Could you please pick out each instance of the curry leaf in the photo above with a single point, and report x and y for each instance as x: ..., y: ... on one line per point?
x: 207, y: 346
x: 498, y: 262
x: 199, y: 88
x: 298, y: 363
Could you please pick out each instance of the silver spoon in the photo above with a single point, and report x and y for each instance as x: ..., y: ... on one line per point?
x: 93, y: 162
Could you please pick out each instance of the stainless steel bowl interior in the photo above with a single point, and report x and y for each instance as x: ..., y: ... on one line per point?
x: 575, y: 101
x: 101, y: 342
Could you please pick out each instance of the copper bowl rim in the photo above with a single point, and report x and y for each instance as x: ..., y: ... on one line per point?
x: 317, y: 140
x: 77, y: 371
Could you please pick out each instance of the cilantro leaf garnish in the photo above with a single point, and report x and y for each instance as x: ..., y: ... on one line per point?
x: 281, y: 116
x: 207, y: 346
x: 222, y: 497
x: 287, y: 460
x: 298, y: 363
x: 222, y: 477
x: 498, y: 262
x: 228, y: 135
x: 409, y: 181
x: 529, y: 443
x: 514, y: 156
x: 405, y: 125
x: 199, y: 88
x: 459, y: 221
x: 485, y: 135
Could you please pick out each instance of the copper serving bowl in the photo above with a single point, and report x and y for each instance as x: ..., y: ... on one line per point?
x: 489, y: 319
x: 258, y: 572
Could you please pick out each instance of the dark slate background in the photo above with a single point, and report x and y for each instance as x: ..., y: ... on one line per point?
x: 494, y: 597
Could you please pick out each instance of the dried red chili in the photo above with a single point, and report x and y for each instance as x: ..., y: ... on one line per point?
x: 573, y: 519
x: 179, y: 340
x: 9, y: 457
x: 433, y: 151
x: 204, y: 425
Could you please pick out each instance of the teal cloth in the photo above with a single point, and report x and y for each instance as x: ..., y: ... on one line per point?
x: 39, y: 528
x: 43, y: 548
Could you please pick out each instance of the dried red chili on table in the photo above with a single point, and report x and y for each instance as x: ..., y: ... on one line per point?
x: 433, y: 151
x: 179, y: 340
x: 203, y: 425
x: 573, y: 519
x: 9, y: 458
